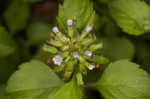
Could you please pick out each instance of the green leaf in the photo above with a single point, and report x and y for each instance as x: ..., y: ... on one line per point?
x: 67, y: 91
x: 100, y: 59
x: 124, y: 80
x: 2, y: 92
x: 116, y: 48
x: 104, y: 1
x: 81, y: 11
x: 133, y: 16
x: 7, y: 45
x: 16, y: 15
x: 8, y: 65
x: 33, y: 80
x: 32, y: 1
x: 38, y: 32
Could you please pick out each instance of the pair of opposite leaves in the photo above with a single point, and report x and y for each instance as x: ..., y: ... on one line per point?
x: 120, y: 80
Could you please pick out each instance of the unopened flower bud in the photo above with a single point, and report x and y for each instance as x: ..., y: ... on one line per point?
x: 94, y: 36
x: 52, y: 34
x: 48, y: 61
x: 52, y: 70
x: 55, y: 29
x: 97, y: 65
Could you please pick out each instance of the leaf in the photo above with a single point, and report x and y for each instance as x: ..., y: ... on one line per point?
x: 32, y: 1
x: 124, y: 80
x: 81, y: 11
x: 9, y: 55
x: 133, y: 16
x: 67, y: 91
x: 38, y: 32
x: 8, y: 65
x: 104, y: 1
x: 7, y: 45
x: 2, y: 92
x: 33, y: 80
x: 100, y: 59
x: 116, y: 48
x: 16, y: 15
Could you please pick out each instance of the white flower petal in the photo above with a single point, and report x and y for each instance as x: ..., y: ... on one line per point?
x: 55, y: 29
x: 69, y: 22
x: 88, y: 53
x: 57, y: 60
x: 88, y: 28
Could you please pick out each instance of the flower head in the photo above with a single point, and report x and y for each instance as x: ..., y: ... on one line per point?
x: 72, y: 49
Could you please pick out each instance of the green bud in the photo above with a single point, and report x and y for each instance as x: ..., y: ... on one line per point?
x: 81, y: 59
x: 55, y: 43
x: 95, y: 47
x: 60, y: 68
x: 83, y: 35
x: 82, y: 68
x: 69, y: 69
x: 100, y: 59
x: 79, y: 79
x: 67, y: 59
x: 64, y: 48
x: 50, y: 49
x: 65, y: 54
x: 70, y: 31
x: 62, y: 37
x: 87, y: 41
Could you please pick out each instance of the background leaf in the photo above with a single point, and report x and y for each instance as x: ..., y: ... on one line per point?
x: 7, y: 45
x: 16, y: 15
x: 38, y: 32
x: 81, y: 11
x: 2, y: 92
x: 133, y: 16
x: 124, y: 80
x: 116, y: 48
x: 32, y: 1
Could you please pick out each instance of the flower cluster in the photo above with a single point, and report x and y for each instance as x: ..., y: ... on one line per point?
x: 72, y: 51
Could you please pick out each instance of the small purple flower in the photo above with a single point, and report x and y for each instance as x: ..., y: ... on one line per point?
x: 75, y: 54
x: 55, y: 29
x: 88, y: 28
x: 69, y: 22
x: 91, y: 67
x: 88, y: 53
x: 57, y: 60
